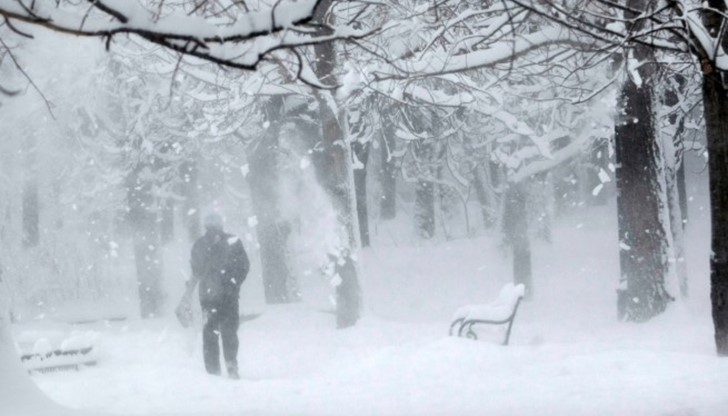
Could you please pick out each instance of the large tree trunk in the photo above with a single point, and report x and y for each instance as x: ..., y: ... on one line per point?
x: 515, y: 228
x: 716, y: 123
x: 146, y: 236
x: 334, y: 171
x: 641, y: 204
x: 272, y: 231
x: 715, y: 109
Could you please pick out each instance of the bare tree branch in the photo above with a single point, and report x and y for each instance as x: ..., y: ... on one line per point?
x: 25, y: 74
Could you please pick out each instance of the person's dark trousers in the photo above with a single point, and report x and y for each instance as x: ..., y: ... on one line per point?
x: 222, y: 322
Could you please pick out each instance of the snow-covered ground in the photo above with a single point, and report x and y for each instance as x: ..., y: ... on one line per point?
x: 568, y: 354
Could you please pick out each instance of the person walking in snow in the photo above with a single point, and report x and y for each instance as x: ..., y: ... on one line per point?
x: 220, y: 265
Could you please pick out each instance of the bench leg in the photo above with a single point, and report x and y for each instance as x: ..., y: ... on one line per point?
x: 457, y: 322
x: 508, y: 331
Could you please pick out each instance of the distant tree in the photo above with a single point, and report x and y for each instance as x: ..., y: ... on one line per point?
x: 388, y: 164
x: 189, y: 184
x: 362, y: 117
x: 31, y: 202
x: 425, y: 154
x: 142, y: 218
x: 515, y: 227
x: 272, y: 230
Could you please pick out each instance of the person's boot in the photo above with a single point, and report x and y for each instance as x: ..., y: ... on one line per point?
x: 232, y: 371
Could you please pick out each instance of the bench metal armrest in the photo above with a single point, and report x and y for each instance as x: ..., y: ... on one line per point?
x: 468, y: 323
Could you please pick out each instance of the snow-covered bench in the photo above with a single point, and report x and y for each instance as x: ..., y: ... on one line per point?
x: 49, y: 350
x: 501, y: 311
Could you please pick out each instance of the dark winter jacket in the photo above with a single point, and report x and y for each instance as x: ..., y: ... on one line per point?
x: 219, y: 261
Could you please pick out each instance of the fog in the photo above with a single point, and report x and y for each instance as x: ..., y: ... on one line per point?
x: 111, y: 159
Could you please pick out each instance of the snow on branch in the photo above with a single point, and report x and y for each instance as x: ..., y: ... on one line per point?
x: 436, y: 63
x: 240, y: 41
x: 708, y: 47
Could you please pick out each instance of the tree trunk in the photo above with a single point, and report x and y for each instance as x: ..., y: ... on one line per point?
x: 716, y: 125
x: 486, y: 196
x: 682, y: 193
x: 388, y: 173
x: 678, y: 232
x: 148, y: 262
x: 31, y: 214
x: 674, y: 88
x: 146, y: 236
x: 641, y: 206
x: 675, y: 180
x: 600, y: 161
x: 30, y: 198
x: 540, y: 208
x: 361, y: 153
x: 167, y: 221
x: 191, y: 204
x: 715, y: 110
x: 424, y: 191
x: 334, y: 171
x: 272, y: 231
x: 515, y: 228
x: 425, y: 208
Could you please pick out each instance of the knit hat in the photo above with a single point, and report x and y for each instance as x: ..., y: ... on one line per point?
x: 213, y: 221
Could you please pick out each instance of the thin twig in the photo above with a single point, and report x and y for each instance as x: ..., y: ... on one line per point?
x: 30, y: 80
x: 16, y: 30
